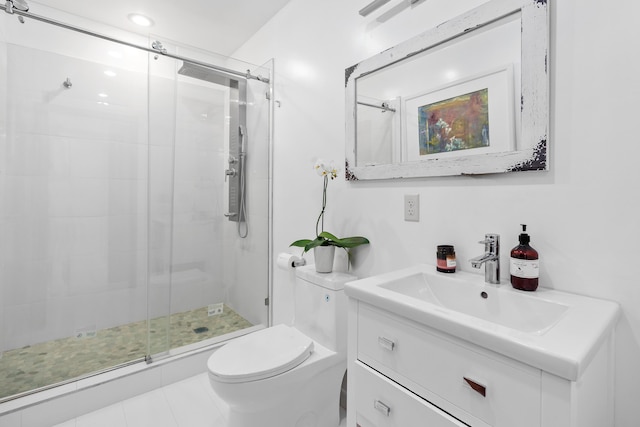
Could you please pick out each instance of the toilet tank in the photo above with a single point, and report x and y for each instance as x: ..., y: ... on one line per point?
x: 321, y: 306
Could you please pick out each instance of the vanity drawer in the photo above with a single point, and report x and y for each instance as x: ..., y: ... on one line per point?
x: 449, y: 373
x: 380, y: 402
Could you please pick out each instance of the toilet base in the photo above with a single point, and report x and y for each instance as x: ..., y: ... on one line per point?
x: 326, y: 416
x: 316, y: 404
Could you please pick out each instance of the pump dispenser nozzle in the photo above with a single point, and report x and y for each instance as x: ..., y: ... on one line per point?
x: 524, y: 237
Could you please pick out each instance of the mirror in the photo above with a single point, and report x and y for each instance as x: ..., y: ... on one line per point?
x: 467, y: 97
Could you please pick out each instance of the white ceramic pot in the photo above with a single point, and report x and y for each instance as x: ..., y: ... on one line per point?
x: 324, y: 258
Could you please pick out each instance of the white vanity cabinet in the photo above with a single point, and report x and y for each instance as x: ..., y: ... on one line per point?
x: 402, y: 374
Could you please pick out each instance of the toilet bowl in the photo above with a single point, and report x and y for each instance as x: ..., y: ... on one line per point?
x: 289, y: 376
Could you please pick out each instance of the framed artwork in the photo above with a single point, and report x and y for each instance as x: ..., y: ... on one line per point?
x: 467, y: 117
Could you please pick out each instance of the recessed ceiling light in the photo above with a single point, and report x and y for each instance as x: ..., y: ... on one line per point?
x: 141, y: 20
x: 103, y: 95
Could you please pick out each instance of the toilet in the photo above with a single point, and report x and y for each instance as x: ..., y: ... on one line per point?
x: 289, y: 376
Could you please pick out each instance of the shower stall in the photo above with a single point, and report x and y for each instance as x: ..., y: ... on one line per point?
x: 134, y: 200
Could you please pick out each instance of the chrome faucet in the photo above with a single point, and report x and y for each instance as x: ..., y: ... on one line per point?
x: 490, y: 258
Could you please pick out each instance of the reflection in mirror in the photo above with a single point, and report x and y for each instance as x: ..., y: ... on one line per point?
x: 467, y: 97
x: 377, y: 123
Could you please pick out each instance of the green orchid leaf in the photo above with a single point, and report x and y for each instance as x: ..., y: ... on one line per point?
x: 301, y: 243
x: 318, y: 241
x: 352, y: 242
x: 329, y: 236
x: 346, y: 242
x: 327, y: 239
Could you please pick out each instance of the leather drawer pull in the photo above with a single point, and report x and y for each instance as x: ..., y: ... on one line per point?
x: 477, y: 387
x: 386, y: 343
x: 382, y: 408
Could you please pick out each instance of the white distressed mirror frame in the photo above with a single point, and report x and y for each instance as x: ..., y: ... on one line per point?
x: 532, y: 150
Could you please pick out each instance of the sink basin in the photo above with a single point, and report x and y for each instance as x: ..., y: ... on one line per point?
x: 555, y: 331
x: 465, y: 294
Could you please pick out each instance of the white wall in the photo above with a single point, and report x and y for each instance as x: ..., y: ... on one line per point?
x: 582, y: 214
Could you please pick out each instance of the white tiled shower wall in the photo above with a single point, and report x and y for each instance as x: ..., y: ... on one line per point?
x: 74, y: 199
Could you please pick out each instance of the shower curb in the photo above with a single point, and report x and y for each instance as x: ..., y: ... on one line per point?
x: 77, y: 398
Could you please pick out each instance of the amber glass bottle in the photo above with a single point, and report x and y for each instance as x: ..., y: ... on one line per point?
x: 524, y: 264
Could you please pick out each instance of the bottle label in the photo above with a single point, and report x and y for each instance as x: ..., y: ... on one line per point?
x: 524, y: 268
x: 451, y: 261
x: 448, y: 264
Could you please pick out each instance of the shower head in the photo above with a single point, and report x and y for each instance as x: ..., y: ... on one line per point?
x: 206, y: 74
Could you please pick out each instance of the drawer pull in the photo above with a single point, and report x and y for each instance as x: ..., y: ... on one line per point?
x: 382, y: 408
x: 477, y: 387
x: 386, y: 343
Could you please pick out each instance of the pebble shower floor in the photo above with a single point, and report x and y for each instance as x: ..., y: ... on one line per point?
x: 48, y: 363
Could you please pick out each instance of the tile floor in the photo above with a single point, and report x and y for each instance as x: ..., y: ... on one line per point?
x: 51, y: 362
x: 187, y: 403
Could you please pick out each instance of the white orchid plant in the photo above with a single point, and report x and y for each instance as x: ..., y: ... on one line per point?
x: 324, y: 238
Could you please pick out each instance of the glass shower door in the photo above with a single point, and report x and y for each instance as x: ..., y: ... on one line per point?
x: 209, y: 276
x: 117, y: 239
x: 73, y: 206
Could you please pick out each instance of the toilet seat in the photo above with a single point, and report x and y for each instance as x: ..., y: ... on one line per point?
x: 260, y: 355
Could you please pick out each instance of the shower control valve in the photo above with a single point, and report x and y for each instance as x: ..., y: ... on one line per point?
x: 233, y: 160
x: 230, y: 172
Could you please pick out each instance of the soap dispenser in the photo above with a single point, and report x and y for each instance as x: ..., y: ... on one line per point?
x: 524, y: 264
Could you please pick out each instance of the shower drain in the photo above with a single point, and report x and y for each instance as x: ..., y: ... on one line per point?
x: 201, y: 329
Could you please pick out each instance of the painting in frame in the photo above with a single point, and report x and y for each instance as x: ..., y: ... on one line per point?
x: 468, y: 117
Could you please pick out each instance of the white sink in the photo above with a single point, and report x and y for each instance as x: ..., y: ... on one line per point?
x: 465, y: 293
x: 551, y: 330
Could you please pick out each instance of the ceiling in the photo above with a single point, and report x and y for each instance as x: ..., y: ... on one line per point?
x: 220, y: 26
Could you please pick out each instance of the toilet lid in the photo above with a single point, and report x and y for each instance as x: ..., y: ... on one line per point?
x: 260, y: 355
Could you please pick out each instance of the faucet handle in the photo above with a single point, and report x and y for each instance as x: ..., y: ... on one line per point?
x: 490, y: 238
x: 491, y: 243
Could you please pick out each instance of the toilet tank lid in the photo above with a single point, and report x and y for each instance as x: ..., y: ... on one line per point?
x: 334, y: 280
x: 260, y: 355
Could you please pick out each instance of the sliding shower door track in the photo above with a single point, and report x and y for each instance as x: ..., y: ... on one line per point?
x: 156, y: 46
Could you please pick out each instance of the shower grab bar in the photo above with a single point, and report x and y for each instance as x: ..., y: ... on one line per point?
x: 247, y: 75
